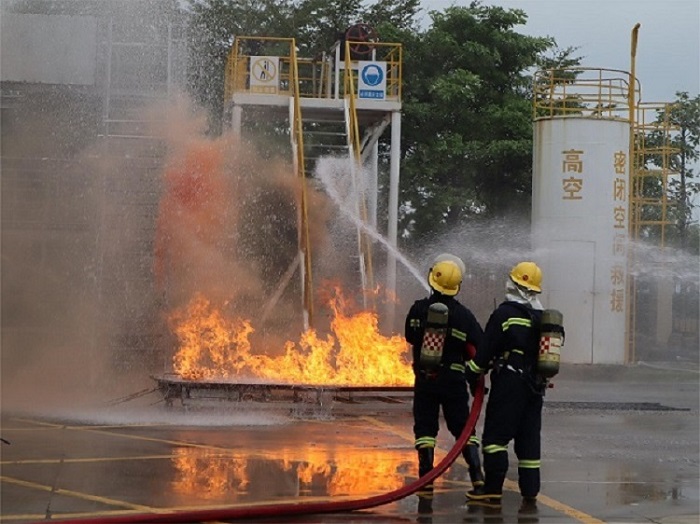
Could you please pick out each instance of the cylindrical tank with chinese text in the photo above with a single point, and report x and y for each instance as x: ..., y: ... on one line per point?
x: 580, y: 207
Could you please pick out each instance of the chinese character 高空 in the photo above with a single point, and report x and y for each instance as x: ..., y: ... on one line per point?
x: 572, y: 161
x: 572, y: 187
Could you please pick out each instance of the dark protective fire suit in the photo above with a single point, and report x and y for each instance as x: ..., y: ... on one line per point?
x: 514, y: 406
x: 446, y: 385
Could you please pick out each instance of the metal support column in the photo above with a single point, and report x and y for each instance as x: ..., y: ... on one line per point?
x: 392, y: 228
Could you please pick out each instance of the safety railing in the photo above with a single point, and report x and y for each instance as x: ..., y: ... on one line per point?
x: 389, y: 53
x: 582, y: 92
x: 319, y: 77
x: 241, y: 67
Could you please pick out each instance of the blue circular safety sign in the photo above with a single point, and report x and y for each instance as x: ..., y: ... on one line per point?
x: 372, y: 75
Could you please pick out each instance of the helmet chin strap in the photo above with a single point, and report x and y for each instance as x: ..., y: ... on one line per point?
x: 516, y: 293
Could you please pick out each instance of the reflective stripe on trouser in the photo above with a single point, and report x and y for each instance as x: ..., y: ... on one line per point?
x: 495, y: 467
x: 425, y: 442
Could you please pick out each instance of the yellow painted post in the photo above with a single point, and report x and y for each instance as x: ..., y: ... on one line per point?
x: 304, y: 215
x: 630, y: 323
x: 365, y: 245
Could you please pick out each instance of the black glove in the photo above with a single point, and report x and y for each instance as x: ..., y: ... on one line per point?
x: 472, y: 379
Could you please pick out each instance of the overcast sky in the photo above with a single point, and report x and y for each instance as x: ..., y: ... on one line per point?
x: 668, y: 50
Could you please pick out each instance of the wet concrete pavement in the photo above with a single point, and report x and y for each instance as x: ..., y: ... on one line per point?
x: 620, y: 445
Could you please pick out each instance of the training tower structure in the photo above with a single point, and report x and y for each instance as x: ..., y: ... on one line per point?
x: 336, y: 104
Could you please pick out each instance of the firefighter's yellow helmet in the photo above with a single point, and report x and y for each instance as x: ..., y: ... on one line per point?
x: 527, y: 275
x: 454, y: 258
x: 445, y: 277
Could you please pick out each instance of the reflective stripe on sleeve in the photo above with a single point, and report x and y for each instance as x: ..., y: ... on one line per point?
x: 529, y: 464
x: 474, y: 367
x: 457, y: 367
x: 460, y: 335
x: 526, y: 322
x: 474, y: 440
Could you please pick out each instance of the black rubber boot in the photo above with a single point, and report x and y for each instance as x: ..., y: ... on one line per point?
x: 425, y: 506
x: 528, y: 505
x: 496, y: 466
x: 425, y: 494
x: 425, y: 464
x: 471, y: 455
x: 425, y: 460
x: 529, y: 482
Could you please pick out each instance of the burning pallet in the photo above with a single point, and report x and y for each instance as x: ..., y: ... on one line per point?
x: 174, y: 387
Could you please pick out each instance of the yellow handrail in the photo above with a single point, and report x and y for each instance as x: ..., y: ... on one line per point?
x: 354, y: 138
x: 582, y: 92
x: 301, y: 172
x: 315, y: 75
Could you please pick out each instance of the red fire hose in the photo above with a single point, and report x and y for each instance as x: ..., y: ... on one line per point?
x: 276, y: 510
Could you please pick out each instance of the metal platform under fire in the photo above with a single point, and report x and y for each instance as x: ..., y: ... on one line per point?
x: 174, y: 387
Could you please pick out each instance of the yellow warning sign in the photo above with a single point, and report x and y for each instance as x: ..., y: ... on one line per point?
x: 263, y: 74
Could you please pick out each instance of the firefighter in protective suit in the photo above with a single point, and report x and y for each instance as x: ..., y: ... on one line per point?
x: 444, y: 335
x: 514, y: 407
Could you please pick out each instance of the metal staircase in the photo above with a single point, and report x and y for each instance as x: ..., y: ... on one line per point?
x: 324, y: 137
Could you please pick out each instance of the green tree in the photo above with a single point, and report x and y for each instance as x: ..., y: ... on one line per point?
x: 213, y: 25
x: 467, y: 130
x: 685, y: 114
x: 467, y: 106
x: 318, y: 23
x: 388, y: 14
x: 315, y: 24
x: 683, y: 118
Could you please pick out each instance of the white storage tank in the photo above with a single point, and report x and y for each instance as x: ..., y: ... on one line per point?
x: 580, y: 207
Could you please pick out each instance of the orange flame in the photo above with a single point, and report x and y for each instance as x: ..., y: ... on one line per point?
x: 213, y: 346
x: 211, y: 474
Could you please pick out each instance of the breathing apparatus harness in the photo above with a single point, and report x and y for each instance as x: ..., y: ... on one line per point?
x: 550, y: 334
x: 434, y: 339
